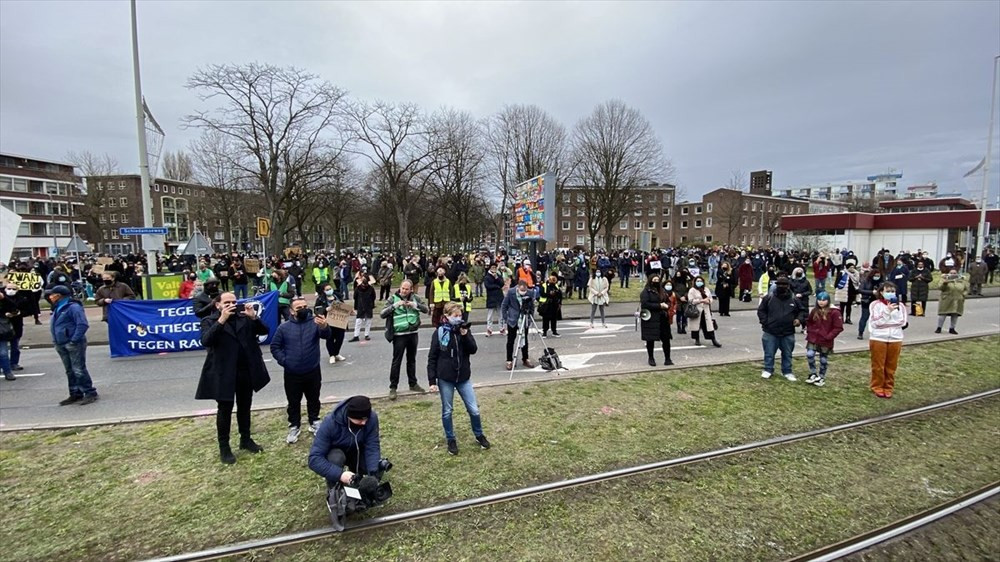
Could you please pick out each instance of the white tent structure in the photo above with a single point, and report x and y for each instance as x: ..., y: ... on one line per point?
x: 77, y: 245
x: 10, y: 222
x: 198, y: 245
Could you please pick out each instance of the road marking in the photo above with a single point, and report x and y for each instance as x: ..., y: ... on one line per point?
x: 595, y: 337
x: 19, y: 375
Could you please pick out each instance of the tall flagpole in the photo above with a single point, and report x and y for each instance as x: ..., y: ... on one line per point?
x: 140, y: 116
x: 983, y: 235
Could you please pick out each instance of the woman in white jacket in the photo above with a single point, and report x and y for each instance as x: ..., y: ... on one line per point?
x: 701, y: 297
x: 886, y: 322
x: 598, y: 293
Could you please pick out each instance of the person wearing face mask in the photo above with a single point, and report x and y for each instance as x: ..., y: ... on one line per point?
x: 326, y: 296
x: 599, y: 295
x: 403, y: 313
x: 899, y: 276
x: 920, y: 281
x: 952, y: 303
x: 516, y: 310
x: 494, y: 283
x: 801, y: 288
x: 745, y: 274
x: 9, y: 332
x: 847, y: 291
x: 69, y: 334
x: 550, y: 306
x: 885, y: 340
x: 977, y: 276
x: 440, y: 295
x: 449, y: 370
x: 866, y: 292
x: 364, y: 308
x: 234, y: 369
x: 348, y: 443
x: 949, y: 262
x: 187, y: 286
x: 704, y: 324
x: 779, y: 315
x: 110, y: 291
x: 279, y: 282
x: 657, y: 310
x: 295, y: 347
x: 724, y: 285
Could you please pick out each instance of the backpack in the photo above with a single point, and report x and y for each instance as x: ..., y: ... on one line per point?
x: 550, y: 361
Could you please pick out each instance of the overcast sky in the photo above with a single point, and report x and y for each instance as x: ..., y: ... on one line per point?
x: 815, y: 91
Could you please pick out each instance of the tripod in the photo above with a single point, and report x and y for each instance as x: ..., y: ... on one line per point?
x: 524, y: 322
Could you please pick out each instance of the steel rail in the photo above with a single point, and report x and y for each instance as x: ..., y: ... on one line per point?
x: 493, y: 499
x: 898, y: 528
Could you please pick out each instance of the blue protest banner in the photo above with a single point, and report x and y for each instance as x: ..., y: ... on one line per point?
x: 166, y: 326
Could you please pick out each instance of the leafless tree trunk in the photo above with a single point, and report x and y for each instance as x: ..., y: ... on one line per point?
x: 615, y: 150
x: 738, y: 180
x: 458, y: 177
x: 399, y: 142
x: 178, y: 166
x: 730, y: 215
x: 276, y: 117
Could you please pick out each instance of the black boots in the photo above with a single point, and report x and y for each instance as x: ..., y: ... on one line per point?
x: 652, y: 362
x: 226, y: 454
x: 667, y: 361
x: 715, y: 342
x: 247, y: 444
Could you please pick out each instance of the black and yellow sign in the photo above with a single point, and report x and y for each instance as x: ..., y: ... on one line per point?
x: 263, y: 227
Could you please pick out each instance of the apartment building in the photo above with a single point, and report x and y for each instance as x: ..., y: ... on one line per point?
x: 652, y: 213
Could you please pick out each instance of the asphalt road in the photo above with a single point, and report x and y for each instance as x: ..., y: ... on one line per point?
x: 164, y: 385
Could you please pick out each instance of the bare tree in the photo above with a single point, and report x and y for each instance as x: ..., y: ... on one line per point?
x: 276, y: 117
x: 523, y: 142
x: 615, y: 150
x: 178, y: 166
x: 93, y: 165
x: 399, y: 143
x: 738, y: 180
x: 729, y: 214
x: 214, y: 159
x: 458, y: 177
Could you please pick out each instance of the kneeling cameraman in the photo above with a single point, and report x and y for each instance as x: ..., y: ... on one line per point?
x: 347, y: 443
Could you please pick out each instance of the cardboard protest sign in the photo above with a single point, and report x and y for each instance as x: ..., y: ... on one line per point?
x: 97, y: 269
x: 251, y: 265
x: 337, y: 314
x: 105, y: 261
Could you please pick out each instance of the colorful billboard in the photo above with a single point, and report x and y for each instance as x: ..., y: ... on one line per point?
x: 534, y: 209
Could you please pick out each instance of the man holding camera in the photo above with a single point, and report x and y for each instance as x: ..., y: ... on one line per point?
x: 347, y: 444
x: 404, y: 309
x: 296, y: 348
x: 234, y: 368
x: 516, y: 311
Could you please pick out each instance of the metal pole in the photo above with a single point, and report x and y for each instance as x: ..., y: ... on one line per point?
x: 983, y: 235
x: 147, y: 202
x: 52, y: 216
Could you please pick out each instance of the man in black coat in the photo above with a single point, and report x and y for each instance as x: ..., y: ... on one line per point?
x: 234, y: 367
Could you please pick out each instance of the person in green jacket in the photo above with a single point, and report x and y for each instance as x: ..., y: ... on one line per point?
x: 279, y: 282
x: 952, y: 303
x: 404, y: 309
x: 478, y: 273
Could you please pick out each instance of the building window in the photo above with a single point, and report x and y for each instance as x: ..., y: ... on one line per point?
x: 708, y: 238
x: 784, y: 209
x: 156, y: 187
x: 753, y: 221
x: 579, y: 225
x: 638, y: 198
x: 753, y: 207
x: 652, y: 212
x: 708, y: 222
x: 565, y: 197
x: 579, y: 198
x: 665, y: 224
x: 743, y: 239
x: 753, y: 239
x: 121, y: 184
x: 623, y: 225
x: 114, y: 234
x: 124, y: 202
x: 745, y: 205
x: 684, y: 210
x: 565, y: 225
x: 202, y: 192
x: 637, y: 212
x: 651, y: 225
x: 174, y: 215
x: 580, y: 213
x: 744, y: 221
x: 697, y: 224
x: 566, y: 211
x: 114, y: 218
x: 770, y: 207
x: 101, y: 219
x: 112, y: 203
x: 697, y: 210
x: 187, y: 191
x: 124, y: 218
x: 708, y: 208
x: 684, y: 224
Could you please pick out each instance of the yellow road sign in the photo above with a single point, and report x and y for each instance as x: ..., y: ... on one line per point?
x: 263, y: 227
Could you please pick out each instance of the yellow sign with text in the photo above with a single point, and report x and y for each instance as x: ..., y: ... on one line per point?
x: 263, y: 227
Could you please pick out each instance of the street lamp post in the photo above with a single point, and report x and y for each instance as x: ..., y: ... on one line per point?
x: 983, y: 235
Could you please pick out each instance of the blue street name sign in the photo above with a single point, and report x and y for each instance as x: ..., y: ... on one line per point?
x: 126, y: 231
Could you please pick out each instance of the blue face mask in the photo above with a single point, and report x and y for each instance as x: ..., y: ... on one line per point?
x: 328, y: 292
x: 668, y: 287
x: 455, y: 320
x: 699, y: 284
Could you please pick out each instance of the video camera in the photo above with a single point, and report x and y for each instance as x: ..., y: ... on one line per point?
x: 364, y: 492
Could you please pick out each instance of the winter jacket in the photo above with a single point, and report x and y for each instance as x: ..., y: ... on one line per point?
x: 405, y: 320
x: 494, y: 289
x: 116, y: 291
x: 801, y: 286
x: 823, y: 332
x: 550, y: 301
x: 899, y: 277
x: 657, y: 327
x: 885, y: 324
x: 335, y: 433
x: 364, y: 300
x: 977, y: 273
x: 952, y: 297
x: 451, y: 363
x: 777, y: 314
x: 599, y: 291
x: 226, y: 343
x: 705, y: 308
x: 69, y: 322
x: 920, y: 280
x: 295, y: 345
x: 513, y: 305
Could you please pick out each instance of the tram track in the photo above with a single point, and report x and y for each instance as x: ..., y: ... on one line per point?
x: 499, y: 498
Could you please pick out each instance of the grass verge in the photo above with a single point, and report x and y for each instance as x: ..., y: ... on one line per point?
x: 766, y: 505
x: 157, y: 488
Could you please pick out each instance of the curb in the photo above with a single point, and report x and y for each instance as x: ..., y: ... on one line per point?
x: 382, y: 398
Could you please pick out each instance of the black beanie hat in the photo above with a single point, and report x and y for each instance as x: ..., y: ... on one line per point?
x: 359, y: 407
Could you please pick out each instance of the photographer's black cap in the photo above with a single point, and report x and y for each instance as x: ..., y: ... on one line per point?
x: 359, y: 407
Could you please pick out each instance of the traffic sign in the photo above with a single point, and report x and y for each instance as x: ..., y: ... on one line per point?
x: 139, y: 231
x: 263, y: 227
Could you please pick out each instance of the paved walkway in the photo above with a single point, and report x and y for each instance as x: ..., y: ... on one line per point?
x: 38, y: 336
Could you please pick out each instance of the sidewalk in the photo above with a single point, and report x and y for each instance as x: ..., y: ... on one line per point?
x: 39, y: 337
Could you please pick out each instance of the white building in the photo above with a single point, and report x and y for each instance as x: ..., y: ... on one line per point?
x: 879, y: 186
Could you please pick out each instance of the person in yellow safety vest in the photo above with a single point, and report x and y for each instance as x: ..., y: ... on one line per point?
x: 463, y: 295
x: 440, y: 295
x: 321, y: 272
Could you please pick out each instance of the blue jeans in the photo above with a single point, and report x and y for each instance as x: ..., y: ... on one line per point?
x: 15, y: 351
x: 865, y: 313
x: 240, y: 291
x: 772, y: 344
x: 820, y: 285
x: 74, y: 359
x: 468, y: 397
x: 5, y: 357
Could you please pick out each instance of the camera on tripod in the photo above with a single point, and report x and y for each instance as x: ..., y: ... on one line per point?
x: 363, y: 492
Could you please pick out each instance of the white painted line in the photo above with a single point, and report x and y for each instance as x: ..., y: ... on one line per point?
x: 595, y: 337
x: 19, y: 375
